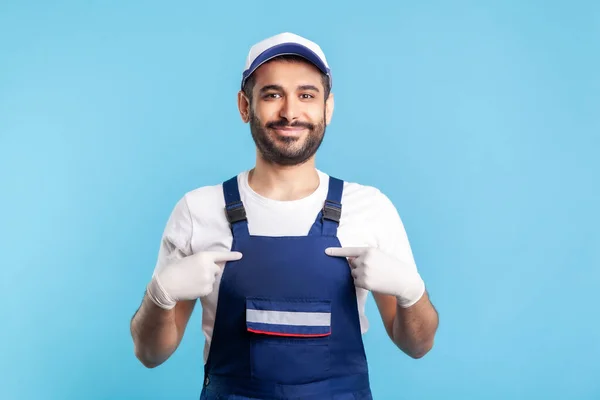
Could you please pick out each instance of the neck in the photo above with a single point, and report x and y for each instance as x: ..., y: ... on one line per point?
x: 284, y: 183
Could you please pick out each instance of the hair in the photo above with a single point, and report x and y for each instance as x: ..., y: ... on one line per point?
x: 251, y: 81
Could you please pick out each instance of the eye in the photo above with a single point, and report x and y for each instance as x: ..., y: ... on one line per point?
x: 271, y: 95
x: 307, y: 96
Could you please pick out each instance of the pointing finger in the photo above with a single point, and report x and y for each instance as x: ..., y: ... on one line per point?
x: 345, y: 251
x: 222, y: 256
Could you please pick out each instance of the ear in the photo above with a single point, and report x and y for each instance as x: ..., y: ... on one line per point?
x: 329, y: 108
x: 244, y: 106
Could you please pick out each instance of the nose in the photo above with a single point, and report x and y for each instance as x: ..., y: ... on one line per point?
x: 289, y: 109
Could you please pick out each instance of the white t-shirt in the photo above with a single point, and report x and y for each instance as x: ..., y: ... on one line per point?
x: 198, y: 223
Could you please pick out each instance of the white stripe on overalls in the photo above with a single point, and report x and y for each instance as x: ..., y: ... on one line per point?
x: 288, y: 318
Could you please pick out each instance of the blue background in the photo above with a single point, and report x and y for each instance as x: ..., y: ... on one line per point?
x: 480, y: 120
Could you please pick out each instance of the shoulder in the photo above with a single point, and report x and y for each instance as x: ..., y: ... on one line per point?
x: 208, y: 196
x: 204, y: 195
x: 201, y: 202
x: 370, y: 207
x: 372, y: 210
x: 368, y: 197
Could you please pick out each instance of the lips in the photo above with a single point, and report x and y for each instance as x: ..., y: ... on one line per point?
x: 290, y: 128
x: 289, y: 131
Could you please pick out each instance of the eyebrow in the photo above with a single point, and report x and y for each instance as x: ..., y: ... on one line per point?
x: 309, y: 87
x: 266, y: 88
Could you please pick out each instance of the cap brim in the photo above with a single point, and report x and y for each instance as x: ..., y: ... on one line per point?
x: 285, y: 49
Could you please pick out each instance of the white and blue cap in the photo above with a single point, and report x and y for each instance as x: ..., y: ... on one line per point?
x: 284, y: 44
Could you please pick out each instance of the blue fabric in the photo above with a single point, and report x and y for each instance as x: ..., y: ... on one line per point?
x: 232, y: 200
x: 333, y: 389
x: 288, y: 330
x: 287, y: 327
x: 286, y: 270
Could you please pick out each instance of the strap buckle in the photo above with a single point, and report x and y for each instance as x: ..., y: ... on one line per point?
x: 332, y: 210
x: 235, y: 212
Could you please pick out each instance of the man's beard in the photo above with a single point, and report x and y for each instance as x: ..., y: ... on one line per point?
x: 281, y: 150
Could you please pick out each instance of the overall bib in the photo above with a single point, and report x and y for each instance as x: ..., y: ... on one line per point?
x: 287, y: 323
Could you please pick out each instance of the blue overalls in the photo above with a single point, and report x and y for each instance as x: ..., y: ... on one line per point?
x: 287, y: 323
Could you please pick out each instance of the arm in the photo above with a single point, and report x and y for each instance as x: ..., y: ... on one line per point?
x: 413, y: 328
x: 157, y: 332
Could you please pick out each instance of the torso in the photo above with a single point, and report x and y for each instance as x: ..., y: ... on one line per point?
x: 361, y: 225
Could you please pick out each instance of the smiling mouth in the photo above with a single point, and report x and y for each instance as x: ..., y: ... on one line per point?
x: 289, y: 131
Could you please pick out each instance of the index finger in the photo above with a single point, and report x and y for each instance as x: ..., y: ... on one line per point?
x: 221, y: 256
x: 345, y: 251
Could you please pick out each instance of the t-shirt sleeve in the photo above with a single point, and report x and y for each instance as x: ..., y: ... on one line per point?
x: 176, y: 239
x: 389, y: 232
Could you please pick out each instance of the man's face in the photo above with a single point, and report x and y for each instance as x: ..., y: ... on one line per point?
x: 288, y: 114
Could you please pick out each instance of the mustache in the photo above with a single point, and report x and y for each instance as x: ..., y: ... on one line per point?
x: 284, y: 123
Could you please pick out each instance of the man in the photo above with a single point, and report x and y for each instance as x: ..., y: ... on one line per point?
x: 282, y: 256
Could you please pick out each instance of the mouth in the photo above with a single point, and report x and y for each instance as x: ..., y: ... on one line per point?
x: 289, y: 131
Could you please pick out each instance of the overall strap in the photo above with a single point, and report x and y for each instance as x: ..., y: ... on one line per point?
x: 329, y: 218
x: 234, y: 208
x: 332, y: 210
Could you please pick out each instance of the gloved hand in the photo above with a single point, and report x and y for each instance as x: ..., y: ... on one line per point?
x: 376, y: 271
x: 188, y: 278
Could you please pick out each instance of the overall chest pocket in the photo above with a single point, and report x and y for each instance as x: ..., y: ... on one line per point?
x: 289, y: 339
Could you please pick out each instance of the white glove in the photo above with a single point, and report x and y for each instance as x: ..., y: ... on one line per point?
x: 188, y: 278
x: 378, y: 272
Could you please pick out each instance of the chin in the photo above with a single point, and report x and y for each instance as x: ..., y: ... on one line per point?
x: 288, y: 139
